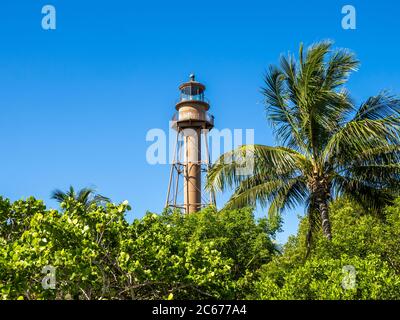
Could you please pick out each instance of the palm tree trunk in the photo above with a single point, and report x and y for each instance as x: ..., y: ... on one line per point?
x: 320, y: 190
x: 326, y: 224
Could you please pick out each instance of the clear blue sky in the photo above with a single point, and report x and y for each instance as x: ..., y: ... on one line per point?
x: 76, y: 103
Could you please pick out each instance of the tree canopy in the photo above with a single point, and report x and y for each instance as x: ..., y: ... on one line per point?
x: 330, y: 146
x: 97, y: 254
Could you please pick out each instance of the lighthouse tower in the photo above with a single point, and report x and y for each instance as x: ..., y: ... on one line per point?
x: 192, y: 122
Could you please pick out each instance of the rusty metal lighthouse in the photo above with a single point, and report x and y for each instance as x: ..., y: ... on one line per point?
x: 192, y: 122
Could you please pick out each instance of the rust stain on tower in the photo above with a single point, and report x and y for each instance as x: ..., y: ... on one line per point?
x: 192, y: 121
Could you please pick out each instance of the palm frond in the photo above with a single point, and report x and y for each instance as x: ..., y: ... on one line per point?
x: 358, y: 136
x: 370, y: 197
x: 289, y: 196
x: 279, y: 112
x: 98, y: 198
x: 381, y: 106
x: 85, y: 196
x: 339, y: 67
x: 278, y: 193
x: 58, y: 195
x: 267, y: 161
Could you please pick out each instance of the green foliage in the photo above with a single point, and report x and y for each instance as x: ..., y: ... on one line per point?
x: 322, y: 279
x: 98, y: 255
x: 328, y: 144
x: 368, y: 243
x: 86, y: 196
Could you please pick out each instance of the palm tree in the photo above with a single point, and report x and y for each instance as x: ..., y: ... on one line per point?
x: 329, y: 147
x: 85, y: 196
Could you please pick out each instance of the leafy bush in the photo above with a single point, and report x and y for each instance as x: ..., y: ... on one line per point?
x: 365, y: 242
x: 97, y: 254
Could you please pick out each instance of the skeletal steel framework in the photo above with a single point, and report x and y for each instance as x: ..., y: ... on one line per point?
x: 192, y: 122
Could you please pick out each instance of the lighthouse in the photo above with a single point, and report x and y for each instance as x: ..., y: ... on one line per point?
x: 192, y: 122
